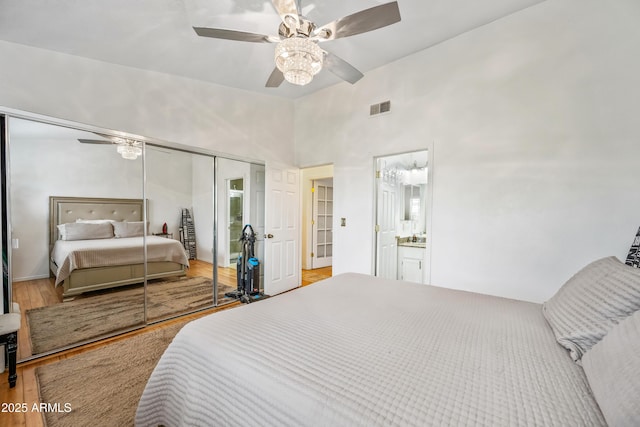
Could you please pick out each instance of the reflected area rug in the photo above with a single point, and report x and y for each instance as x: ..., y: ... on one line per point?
x: 100, y: 313
x: 102, y: 387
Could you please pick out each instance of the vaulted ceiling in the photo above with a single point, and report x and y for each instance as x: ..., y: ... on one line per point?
x: 157, y: 35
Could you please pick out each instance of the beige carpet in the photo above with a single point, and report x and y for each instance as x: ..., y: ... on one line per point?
x: 103, y: 386
x: 97, y: 314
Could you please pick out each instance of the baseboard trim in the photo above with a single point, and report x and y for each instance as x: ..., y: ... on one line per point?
x: 24, y: 279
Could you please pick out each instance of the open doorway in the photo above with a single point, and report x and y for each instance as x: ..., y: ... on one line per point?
x: 402, y: 215
x: 317, y: 222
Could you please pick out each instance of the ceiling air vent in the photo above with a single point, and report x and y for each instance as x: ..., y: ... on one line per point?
x: 381, y: 108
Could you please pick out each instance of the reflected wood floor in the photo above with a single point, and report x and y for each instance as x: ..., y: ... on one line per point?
x: 43, y: 292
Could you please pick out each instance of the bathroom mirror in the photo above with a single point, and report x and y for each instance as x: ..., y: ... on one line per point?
x: 412, y: 202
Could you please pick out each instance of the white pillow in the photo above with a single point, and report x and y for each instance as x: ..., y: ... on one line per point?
x: 128, y: 229
x: 612, y: 367
x: 592, y: 302
x: 82, y: 231
x: 95, y: 221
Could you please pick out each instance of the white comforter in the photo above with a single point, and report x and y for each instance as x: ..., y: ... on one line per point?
x: 74, y: 254
x: 360, y: 351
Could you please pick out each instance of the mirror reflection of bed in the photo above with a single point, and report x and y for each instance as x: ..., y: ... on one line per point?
x: 94, y: 301
x: 106, y: 301
x: 98, y: 243
x: 47, y: 160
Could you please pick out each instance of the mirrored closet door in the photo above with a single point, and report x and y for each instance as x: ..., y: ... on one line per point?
x: 240, y: 227
x: 109, y: 234
x: 77, y: 228
x: 179, y: 189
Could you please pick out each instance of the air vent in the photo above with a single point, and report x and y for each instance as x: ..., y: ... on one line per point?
x: 381, y: 108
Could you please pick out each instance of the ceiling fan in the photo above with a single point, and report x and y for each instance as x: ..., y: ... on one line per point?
x: 129, y: 149
x: 297, y: 56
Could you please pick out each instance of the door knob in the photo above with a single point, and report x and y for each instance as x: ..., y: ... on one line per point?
x: 269, y: 236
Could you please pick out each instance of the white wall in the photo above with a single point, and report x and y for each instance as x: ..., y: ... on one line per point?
x: 533, y: 120
x: 145, y: 103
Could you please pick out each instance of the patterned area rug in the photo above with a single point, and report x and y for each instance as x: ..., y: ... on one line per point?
x: 93, y: 315
x: 102, y: 387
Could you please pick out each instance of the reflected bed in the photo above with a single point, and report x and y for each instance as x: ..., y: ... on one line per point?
x: 83, y: 265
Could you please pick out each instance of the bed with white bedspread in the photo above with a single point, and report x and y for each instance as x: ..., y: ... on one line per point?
x: 348, y: 352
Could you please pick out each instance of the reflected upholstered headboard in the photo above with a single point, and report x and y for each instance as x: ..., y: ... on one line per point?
x: 63, y: 210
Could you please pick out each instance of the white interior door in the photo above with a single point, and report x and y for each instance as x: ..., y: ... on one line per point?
x: 282, y: 228
x: 386, y: 219
x: 322, y: 229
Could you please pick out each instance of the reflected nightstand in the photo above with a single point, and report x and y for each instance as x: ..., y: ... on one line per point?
x: 167, y: 235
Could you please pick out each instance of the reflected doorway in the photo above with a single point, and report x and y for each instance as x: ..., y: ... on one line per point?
x: 235, y: 220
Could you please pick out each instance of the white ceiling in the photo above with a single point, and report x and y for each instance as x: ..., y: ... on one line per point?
x: 157, y: 35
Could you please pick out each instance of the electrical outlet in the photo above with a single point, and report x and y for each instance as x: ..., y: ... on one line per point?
x: 343, y: 222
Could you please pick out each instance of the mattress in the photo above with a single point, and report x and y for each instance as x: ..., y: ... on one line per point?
x: 361, y: 351
x: 71, y: 255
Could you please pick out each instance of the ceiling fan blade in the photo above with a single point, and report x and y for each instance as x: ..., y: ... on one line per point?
x: 218, y: 33
x: 286, y: 8
x: 341, y: 68
x: 275, y: 79
x: 94, y: 141
x: 360, y: 22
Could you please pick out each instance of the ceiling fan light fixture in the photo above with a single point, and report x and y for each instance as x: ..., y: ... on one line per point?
x: 299, y: 59
x: 129, y: 149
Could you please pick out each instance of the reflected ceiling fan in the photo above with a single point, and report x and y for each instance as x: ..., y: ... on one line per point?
x: 297, y: 56
x: 128, y: 148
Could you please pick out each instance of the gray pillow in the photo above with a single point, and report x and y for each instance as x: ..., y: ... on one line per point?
x: 84, y: 231
x: 593, y: 301
x: 612, y: 367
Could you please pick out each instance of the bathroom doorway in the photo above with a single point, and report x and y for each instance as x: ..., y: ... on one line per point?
x: 402, y: 215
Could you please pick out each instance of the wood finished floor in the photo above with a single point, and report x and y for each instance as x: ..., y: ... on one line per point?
x: 30, y: 295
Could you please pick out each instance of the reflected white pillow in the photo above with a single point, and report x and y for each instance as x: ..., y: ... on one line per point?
x: 82, y: 231
x: 95, y: 221
x: 128, y: 229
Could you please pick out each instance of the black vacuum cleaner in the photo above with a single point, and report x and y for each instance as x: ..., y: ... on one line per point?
x: 248, y: 270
